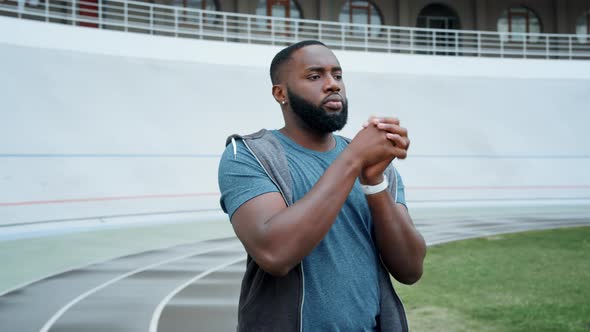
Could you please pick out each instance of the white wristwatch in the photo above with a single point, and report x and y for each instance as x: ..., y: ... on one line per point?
x: 370, y: 190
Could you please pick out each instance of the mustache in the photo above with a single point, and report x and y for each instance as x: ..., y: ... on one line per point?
x: 331, y: 98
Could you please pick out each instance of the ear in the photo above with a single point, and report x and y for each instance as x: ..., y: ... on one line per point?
x: 279, y: 93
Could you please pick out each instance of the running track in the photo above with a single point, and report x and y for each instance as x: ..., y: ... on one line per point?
x: 195, y: 287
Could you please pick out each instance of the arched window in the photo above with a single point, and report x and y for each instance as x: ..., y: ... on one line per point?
x: 519, y: 20
x: 438, y: 16
x: 361, y: 12
x: 583, y: 27
x: 277, y: 8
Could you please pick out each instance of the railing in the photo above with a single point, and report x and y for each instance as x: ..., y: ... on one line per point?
x: 174, y: 21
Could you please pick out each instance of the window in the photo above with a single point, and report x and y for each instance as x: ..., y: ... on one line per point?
x: 438, y: 16
x: 519, y: 20
x: 361, y: 12
x: 277, y: 8
x: 583, y: 27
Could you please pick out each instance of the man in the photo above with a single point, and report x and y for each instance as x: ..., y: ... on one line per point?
x: 323, y: 218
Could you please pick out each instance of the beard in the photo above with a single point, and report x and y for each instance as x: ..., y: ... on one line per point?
x: 315, y: 117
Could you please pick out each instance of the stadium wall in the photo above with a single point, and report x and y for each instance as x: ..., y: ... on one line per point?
x: 110, y: 125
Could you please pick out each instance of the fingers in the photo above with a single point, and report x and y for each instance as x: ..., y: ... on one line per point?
x: 391, y: 120
x: 399, y: 147
x: 395, y: 134
x: 398, y: 141
x: 387, y: 124
x: 373, y: 120
x: 393, y: 128
x: 400, y: 153
x: 377, y: 144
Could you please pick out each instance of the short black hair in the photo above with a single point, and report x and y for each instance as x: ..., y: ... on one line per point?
x: 285, y: 54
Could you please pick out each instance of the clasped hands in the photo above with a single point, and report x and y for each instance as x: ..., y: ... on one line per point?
x: 381, y: 140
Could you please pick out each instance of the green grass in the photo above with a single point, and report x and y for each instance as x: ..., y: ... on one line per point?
x: 535, y: 281
x: 30, y: 259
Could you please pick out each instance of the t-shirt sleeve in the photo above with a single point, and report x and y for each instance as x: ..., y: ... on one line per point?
x: 400, y: 196
x: 241, y: 178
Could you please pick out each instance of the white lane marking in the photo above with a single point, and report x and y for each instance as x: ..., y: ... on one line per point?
x: 98, y: 261
x: 73, y: 302
x: 158, y: 312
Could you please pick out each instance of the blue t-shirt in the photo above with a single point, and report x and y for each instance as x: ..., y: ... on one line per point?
x: 341, y: 285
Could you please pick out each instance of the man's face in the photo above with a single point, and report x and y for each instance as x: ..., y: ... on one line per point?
x: 315, y: 89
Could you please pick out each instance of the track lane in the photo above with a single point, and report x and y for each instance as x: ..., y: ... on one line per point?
x: 208, y: 304
x: 138, y: 295
x: 27, y: 309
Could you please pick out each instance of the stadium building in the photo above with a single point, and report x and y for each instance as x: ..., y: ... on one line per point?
x: 539, y: 16
x: 555, y: 29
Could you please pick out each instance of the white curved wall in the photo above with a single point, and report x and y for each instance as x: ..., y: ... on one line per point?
x: 98, y: 123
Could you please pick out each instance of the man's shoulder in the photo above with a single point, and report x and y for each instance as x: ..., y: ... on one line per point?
x: 263, y: 143
x: 235, y: 146
x: 262, y: 133
x: 235, y: 151
x: 261, y: 146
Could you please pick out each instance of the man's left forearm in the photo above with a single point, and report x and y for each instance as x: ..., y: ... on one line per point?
x: 401, y: 246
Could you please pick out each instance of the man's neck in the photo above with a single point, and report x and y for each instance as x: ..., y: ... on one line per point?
x: 309, y: 139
